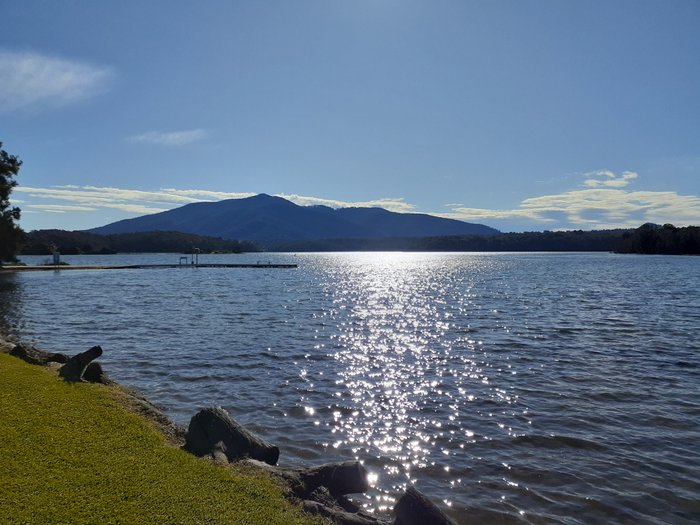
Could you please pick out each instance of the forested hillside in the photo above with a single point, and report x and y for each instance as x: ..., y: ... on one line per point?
x: 44, y: 242
x: 666, y: 239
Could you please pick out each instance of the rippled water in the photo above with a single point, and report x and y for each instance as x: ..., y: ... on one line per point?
x: 511, y: 388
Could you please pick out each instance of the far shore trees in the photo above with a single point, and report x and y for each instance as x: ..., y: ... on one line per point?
x: 10, y: 232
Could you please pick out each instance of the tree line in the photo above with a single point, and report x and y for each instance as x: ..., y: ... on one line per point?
x: 45, y: 242
x: 667, y: 240
x: 648, y: 239
x: 602, y: 240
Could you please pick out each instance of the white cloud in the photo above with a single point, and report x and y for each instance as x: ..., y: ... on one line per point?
x: 397, y: 205
x: 596, y: 209
x: 479, y: 214
x: 604, y: 202
x: 104, y: 196
x: 170, y: 138
x: 206, y: 195
x: 30, y: 79
x: 140, y: 201
x: 60, y: 208
x: 612, y: 203
x: 607, y: 179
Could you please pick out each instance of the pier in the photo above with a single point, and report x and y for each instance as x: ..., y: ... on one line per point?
x: 60, y: 267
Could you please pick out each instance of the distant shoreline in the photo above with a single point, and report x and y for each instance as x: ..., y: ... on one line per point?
x: 647, y: 239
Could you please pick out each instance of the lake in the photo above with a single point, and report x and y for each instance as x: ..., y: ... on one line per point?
x: 509, y: 388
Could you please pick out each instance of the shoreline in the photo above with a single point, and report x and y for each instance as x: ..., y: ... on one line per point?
x: 74, y: 452
x: 319, y: 490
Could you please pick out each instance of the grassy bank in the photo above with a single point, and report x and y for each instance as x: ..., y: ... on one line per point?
x: 70, y: 454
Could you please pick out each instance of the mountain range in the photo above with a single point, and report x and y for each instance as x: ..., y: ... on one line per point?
x: 264, y: 219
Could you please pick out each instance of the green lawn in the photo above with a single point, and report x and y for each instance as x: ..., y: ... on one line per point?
x: 70, y: 454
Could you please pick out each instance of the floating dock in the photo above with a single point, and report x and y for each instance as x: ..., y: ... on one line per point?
x: 59, y: 267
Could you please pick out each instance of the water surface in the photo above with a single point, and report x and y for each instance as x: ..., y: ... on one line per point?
x: 511, y: 388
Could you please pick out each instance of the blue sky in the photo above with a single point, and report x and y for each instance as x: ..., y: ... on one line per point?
x: 522, y: 115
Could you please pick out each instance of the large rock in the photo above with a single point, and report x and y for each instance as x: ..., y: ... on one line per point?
x: 35, y: 356
x: 74, y: 369
x: 213, y: 432
x: 321, y: 490
x: 333, y: 479
x: 348, y: 477
x: 95, y: 374
x: 413, y: 508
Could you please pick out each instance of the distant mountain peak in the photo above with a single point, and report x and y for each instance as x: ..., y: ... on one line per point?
x: 263, y: 217
x: 261, y: 197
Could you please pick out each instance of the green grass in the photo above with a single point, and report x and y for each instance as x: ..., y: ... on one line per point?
x: 70, y: 454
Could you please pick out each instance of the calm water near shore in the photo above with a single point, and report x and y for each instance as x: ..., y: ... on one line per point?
x: 510, y: 388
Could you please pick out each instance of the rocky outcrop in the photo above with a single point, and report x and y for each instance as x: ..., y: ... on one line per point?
x: 75, y: 368
x: 339, y: 479
x: 34, y: 356
x: 95, y: 374
x: 322, y: 489
x: 213, y: 432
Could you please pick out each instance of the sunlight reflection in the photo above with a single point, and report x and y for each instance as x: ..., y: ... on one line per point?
x: 405, y: 378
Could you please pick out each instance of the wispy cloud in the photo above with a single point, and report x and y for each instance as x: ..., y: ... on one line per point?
x: 94, y: 198
x: 480, y: 214
x: 601, y: 205
x: 140, y: 201
x: 204, y: 195
x: 607, y: 179
x: 397, y: 205
x: 59, y: 208
x: 170, y: 138
x: 31, y: 79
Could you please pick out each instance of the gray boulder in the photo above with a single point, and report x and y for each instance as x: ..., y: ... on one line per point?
x: 213, y: 432
x: 95, y: 374
x: 348, y: 477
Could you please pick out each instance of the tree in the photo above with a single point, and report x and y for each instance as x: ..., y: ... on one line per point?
x: 10, y: 233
